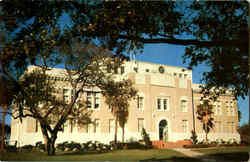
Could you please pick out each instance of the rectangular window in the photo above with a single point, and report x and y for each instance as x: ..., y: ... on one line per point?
x: 93, y: 100
x: 122, y: 69
x: 116, y: 70
x: 97, y: 100
x: 97, y: 126
x: 66, y: 95
x: 165, y: 104
x: 185, y: 126
x: 162, y: 103
x: 89, y: 127
x: 111, y: 125
x: 159, y: 103
x: 183, y: 105
x: 72, y: 126
x: 139, y: 102
x: 140, y: 124
x: 89, y: 100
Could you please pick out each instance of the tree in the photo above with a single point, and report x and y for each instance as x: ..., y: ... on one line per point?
x: 215, y: 33
x: 41, y: 100
x: 7, y: 130
x: 118, y: 95
x: 205, y: 115
x: 244, y: 133
x: 211, y: 31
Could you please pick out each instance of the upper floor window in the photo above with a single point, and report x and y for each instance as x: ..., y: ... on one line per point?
x: 116, y: 69
x: 66, y: 95
x: 162, y: 103
x: 230, y: 108
x: 217, y: 108
x: 184, y: 106
x: 93, y: 100
x: 140, y: 102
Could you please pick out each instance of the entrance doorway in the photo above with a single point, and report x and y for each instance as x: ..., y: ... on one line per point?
x: 163, y: 130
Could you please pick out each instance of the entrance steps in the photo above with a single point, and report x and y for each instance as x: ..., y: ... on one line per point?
x: 165, y: 145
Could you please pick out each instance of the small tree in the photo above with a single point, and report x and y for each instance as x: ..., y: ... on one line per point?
x: 40, y: 99
x: 118, y: 94
x: 204, y: 114
x: 146, y: 138
x: 194, y: 137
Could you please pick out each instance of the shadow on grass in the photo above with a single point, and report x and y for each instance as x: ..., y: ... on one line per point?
x: 173, y: 159
x: 82, y: 153
x: 230, y: 156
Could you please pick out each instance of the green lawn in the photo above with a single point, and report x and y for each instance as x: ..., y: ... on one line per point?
x: 121, y: 155
x: 227, y: 153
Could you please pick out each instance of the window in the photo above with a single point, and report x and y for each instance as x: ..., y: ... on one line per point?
x: 184, y: 107
x: 185, y: 126
x: 140, y: 124
x: 140, y: 101
x: 93, y: 100
x: 116, y: 70
x: 159, y: 103
x: 66, y: 95
x: 97, y: 126
x: 72, y: 126
x: 217, y: 108
x: 122, y: 69
x: 89, y: 127
x: 230, y: 108
x: 111, y: 125
x: 165, y: 104
x: 89, y: 100
x: 162, y: 103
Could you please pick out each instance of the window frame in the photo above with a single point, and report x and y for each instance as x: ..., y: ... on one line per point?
x: 161, y: 103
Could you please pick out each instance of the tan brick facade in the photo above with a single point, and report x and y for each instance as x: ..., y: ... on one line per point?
x: 166, y: 94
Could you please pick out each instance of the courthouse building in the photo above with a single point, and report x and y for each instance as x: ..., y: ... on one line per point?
x: 165, y: 106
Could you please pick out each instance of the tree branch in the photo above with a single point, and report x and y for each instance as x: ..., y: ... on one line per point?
x: 187, y: 42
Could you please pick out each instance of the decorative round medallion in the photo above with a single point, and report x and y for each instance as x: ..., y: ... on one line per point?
x: 161, y: 69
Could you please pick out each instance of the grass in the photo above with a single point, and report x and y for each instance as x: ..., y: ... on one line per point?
x: 120, y: 155
x: 227, y: 153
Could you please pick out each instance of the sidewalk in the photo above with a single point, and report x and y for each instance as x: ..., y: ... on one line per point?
x: 201, y: 156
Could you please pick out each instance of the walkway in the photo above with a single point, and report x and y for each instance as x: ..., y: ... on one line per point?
x: 198, y: 155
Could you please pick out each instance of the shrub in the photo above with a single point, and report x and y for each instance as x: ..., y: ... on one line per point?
x: 27, y: 147
x: 146, y: 139
x: 194, y: 137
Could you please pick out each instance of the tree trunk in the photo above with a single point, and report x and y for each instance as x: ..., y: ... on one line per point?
x: 4, y: 108
x: 206, y: 137
x: 51, y: 150
x: 123, y: 133
x: 116, y: 123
